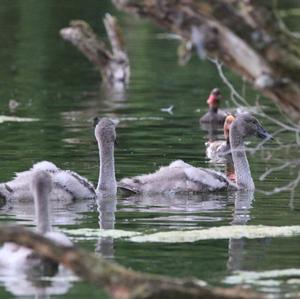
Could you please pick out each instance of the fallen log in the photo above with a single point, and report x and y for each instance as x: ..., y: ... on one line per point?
x: 245, y: 35
x: 113, y: 64
x: 118, y: 281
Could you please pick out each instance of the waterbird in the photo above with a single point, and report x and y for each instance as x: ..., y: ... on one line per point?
x: 68, y: 185
x: 182, y: 177
x: 17, y: 258
x: 214, y: 116
x: 219, y: 150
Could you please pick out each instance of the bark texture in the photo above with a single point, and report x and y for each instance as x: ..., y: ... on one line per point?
x: 118, y: 281
x: 244, y: 34
x: 113, y: 64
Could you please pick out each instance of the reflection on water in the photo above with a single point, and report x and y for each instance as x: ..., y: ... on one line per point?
x: 241, y: 215
x: 61, y: 212
x: 20, y: 285
x: 106, y: 210
x: 175, y: 209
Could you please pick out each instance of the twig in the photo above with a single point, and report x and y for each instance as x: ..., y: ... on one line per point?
x: 291, y: 186
x: 277, y: 168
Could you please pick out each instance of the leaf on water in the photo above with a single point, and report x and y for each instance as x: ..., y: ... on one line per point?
x: 92, y: 233
x: 222, y: 232
x: 5, y: 118
x: 266, y: 278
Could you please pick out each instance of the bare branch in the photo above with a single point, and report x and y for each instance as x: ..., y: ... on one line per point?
x: 112, y: 65
x: 118, y: 281
x: 291, y: 186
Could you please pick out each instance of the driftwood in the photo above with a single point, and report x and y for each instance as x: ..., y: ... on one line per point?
x: 113, y: 64
x: 118, y: 281
x: 246, y: 35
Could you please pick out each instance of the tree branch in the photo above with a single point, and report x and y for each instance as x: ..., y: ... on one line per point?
x: 245, y: 35
x: 118, y: 281
x: 112, y: 65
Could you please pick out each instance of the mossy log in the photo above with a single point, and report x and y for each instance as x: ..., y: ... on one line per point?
x: 118, y: 281
x: 246, y: 35
x: 113, y: 64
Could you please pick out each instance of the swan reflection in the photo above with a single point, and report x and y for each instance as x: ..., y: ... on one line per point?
x: 241, y: 215
x: 106, y: 209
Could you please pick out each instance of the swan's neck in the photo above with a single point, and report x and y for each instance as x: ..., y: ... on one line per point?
x: 213, y: 109
x: 107, y: 184
x: 244, y: 179
x: 42, y: 211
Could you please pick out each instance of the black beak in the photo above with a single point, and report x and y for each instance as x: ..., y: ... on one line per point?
x: 263, y: 134
x: 96, y: 121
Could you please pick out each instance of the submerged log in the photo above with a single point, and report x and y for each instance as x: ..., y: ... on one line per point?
x: 245, y: 35
x: 118, y: 281
x: 113, y: 64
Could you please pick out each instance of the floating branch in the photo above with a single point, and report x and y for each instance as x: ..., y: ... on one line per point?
x: 118, y: 281
x: 246, y: 35
x: 113, y: 64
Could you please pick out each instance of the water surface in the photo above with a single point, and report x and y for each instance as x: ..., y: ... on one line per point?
x: 55, y: 84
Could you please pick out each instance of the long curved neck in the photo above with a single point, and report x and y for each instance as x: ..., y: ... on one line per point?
x: 41, y: 210
x: 244, y: 179
x: 107, y: 184
x: 213, y: 109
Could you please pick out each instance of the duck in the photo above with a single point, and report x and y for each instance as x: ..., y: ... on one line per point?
x: 181, y: 177
x: 219, y: 150
x: 68, y: 185
x: 214, y: 116
x: 17, y: 258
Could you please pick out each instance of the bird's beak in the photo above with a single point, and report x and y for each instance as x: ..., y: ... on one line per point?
x: 263, y: 134
x: 96, y: 121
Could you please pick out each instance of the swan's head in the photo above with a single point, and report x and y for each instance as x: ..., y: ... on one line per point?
x: 247, y: 125
x: 228, y: 121
x: 214, y: 98
x: 41, y: 182
x: 105, y: 130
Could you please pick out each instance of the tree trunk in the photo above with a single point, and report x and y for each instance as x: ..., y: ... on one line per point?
x: 245, y: 35
x: 118, y: 281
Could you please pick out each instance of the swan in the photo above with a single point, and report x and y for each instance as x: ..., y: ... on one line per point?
x: 67, y: 185
x: 182, y: 177
x: 219, y: 150
x: 214, y: 116
x: 17, y: 258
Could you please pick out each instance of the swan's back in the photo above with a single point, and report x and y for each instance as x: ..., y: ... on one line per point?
x: 67, y: 185
x: 178, y: 177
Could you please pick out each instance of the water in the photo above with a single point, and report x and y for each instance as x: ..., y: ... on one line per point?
x: 55, y: 84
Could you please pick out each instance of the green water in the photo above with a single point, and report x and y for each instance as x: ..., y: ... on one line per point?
x: 55, y: 84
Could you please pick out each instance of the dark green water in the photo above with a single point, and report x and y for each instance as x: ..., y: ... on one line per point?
x: 55, y: 84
